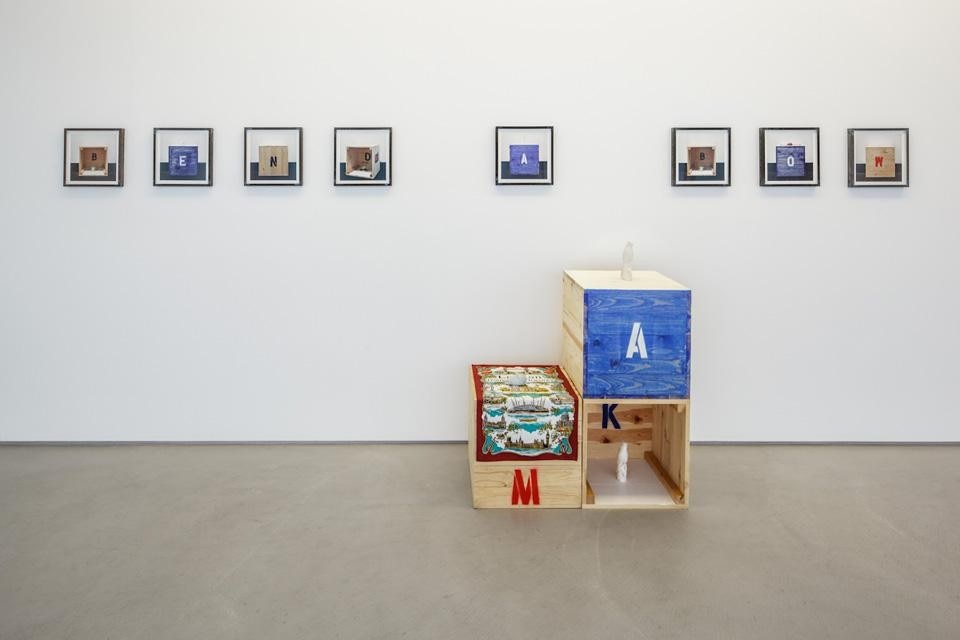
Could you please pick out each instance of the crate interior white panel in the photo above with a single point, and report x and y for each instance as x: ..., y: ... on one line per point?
x: 323, y: 313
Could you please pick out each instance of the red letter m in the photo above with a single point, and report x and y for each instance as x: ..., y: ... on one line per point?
x: 524, y: 492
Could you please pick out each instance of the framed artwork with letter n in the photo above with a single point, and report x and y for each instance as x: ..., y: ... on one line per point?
x: 273, y: 156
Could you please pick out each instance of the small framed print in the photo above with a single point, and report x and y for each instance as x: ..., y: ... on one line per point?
x: 182, y: 157
x: 93, y: 157
x: 790, y: 157
x: 362, y: 156
x: 700, y: 156
x: 524, y: 155
x: 878, y: 157
x: 273, y: 156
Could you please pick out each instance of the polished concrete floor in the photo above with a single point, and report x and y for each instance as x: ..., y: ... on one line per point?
x: 379, y: 541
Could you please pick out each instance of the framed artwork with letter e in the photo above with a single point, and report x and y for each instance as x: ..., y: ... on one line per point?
x: 878, y: 157
x: 273, y: 156
x: 790, y: 157
x: 93, y: 157
x: 362, y: 156
x: 183, y: 157
x: 524, y: 155
x: 700, y: 156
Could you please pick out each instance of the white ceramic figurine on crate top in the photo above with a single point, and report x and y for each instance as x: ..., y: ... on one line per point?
x: 626, y: 271
x: 622, y: 456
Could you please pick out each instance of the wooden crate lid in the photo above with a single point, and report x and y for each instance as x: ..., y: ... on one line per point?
x: 642, y: 281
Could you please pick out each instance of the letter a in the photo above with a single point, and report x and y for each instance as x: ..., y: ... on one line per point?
x: 524, y: 493
x: 637, y: 343
x: 523, y: 158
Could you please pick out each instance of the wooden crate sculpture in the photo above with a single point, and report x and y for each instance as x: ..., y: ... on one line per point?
x: 524, y: 437
x: 626, y: 348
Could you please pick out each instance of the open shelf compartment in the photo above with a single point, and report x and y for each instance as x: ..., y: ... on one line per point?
x: 657, y: 434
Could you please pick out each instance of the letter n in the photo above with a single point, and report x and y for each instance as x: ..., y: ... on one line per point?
x: 878, y: 161
x: 273, y: 161
x: 523, y: 493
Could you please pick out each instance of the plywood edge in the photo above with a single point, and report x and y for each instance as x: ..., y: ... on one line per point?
x: 611, y: 280
x: 634, y: 400
x: 664, y: 477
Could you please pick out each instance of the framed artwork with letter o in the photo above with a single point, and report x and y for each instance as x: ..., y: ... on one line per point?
x: 183, y: 157
x: 362, y: 156
x: 878, y: 157
x: 524, y: 155
x: 273, y: 156
x: 93, y: 157
x: 790, y: 157
x: 700, y: 156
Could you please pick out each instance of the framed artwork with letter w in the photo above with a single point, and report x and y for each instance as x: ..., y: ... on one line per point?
x: 878, y: 157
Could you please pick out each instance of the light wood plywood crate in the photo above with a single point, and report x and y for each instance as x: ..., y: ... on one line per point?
x: 626, y: 346
x: 506, y: 472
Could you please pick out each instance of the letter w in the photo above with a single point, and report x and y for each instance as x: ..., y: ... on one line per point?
x: 525, y: 492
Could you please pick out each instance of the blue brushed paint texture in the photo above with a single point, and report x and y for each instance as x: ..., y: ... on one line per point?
x: 608, y: 323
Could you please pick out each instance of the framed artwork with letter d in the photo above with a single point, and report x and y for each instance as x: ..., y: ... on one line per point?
x: 183, y: 157
x: 362, y: 156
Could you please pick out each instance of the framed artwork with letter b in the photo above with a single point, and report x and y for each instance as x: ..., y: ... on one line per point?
x: 700, y: 156
x: 93, y: 157
x: 878, y: 157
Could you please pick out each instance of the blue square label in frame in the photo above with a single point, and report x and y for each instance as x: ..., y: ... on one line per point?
x: 525, y: 160
x: 183, y: 161
x: 636, y: 344
x: 791, y: 162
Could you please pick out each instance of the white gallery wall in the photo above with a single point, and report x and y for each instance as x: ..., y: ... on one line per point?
x: 322, y: 313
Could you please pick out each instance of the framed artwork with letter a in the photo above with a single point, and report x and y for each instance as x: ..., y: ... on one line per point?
x: 273, y: 156
x: 878, y: 157
x: 524, y: 155
x: 93, y: 157
x: 183, y: 157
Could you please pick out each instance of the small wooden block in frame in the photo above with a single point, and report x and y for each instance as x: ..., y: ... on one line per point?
x: 700, y: 156
x: 93, y: 157
x: 183, y: 157
x: 790, y: 157
x: 878, y: 157
x: 362, y: 156
x: 273, y: 156
x: 523, y: 155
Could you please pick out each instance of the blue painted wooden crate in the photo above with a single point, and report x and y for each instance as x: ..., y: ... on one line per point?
x: 628, y: 339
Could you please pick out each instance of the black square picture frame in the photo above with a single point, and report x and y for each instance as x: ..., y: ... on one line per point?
x: 700, y: 156
x: 183, y: 156
x: 523, y: 155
